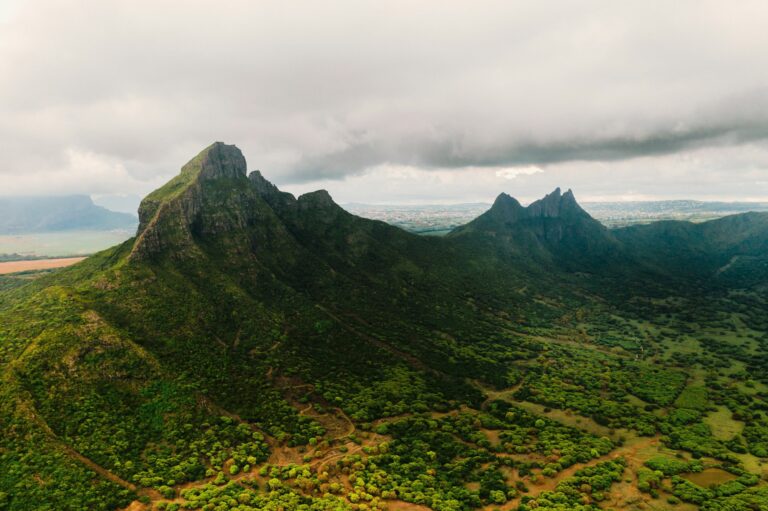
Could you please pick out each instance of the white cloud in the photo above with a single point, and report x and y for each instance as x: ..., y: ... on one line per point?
x: 102, y: 174
x: 513, y: 172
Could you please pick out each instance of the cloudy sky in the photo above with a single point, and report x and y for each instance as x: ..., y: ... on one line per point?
x: 391, y: 101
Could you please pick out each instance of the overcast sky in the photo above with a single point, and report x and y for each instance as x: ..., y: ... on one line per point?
x: 390, y: 101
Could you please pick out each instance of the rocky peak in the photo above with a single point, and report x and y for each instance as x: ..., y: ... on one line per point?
x: 548, y: 207
x: 554, y: 205
x: 506, y: 201
x: 166, y: 216
x: 264, y: 187
x: 218, y: 160
x: 269, y: 192
x: 506, y: 208
x: 316, y: 199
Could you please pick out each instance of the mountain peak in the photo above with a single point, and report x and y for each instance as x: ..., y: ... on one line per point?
x: 553, y: 228
x: 504, y: 199
x: 317, y: 199
x: 216, y: 161
x: 506, y: 208
x: 552, y: 205
x: 555, y: 204
x: 262, y: 185
x: 569, y: 198
x: 166, y: 215
x: 268, y: 191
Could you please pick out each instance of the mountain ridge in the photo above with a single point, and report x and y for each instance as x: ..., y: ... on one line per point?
x: 552, y: 230
x: 19, y: 215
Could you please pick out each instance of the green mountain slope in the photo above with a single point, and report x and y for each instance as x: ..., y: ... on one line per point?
x: 709, y: 250
x: 253, y: 350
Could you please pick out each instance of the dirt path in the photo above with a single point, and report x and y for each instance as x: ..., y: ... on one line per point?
x: 319, y: 464
x: 37, y: 264
x: 628, y: 451
x: 494, y: 395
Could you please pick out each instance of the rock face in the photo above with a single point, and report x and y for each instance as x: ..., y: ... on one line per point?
x: 270, y: 192
x: 210, y: 194
x: 264, y: 187
x: 211, y: 201
x: 218, y: 161
x: 507, y: 211
x: 555, y: 205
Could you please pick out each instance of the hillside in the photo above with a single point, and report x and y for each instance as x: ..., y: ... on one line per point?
x: 249, y: 349
x: 20, y: 215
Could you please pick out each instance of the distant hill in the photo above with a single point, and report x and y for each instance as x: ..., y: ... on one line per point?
x: 19, y: 215
x: 619, y: 214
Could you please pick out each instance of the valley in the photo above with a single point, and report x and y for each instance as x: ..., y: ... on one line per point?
x: 253, y: 350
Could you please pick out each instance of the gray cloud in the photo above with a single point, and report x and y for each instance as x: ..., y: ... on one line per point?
x: 112, y: 97
x: 451, y: 153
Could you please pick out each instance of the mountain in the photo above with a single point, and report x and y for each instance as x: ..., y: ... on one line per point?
x: 249, y: 349
x: 20, y: 215
x: 705, y: 250
x: 554, y: 229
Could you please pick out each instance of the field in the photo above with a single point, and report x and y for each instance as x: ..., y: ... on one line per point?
x: 37, y: 264
x: 61, y: 244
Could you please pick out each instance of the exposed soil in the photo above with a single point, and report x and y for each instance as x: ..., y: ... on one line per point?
x: 37, y: 264
x: 399, y: 505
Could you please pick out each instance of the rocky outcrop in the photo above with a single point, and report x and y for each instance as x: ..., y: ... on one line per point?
x: 262, y: 186
x: 554, y: 228
x: 555, y: 205
x: 319, y: 199
x: 506, y: 209
x: 169, y: 215
x: 269, y: 192
x: 218, y: 161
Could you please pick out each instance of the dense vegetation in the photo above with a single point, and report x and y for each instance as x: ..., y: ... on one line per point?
x: 249, y: 350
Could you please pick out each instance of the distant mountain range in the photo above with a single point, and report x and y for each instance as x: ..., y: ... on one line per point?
x: 20, y: 215
x: 438, y: 219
